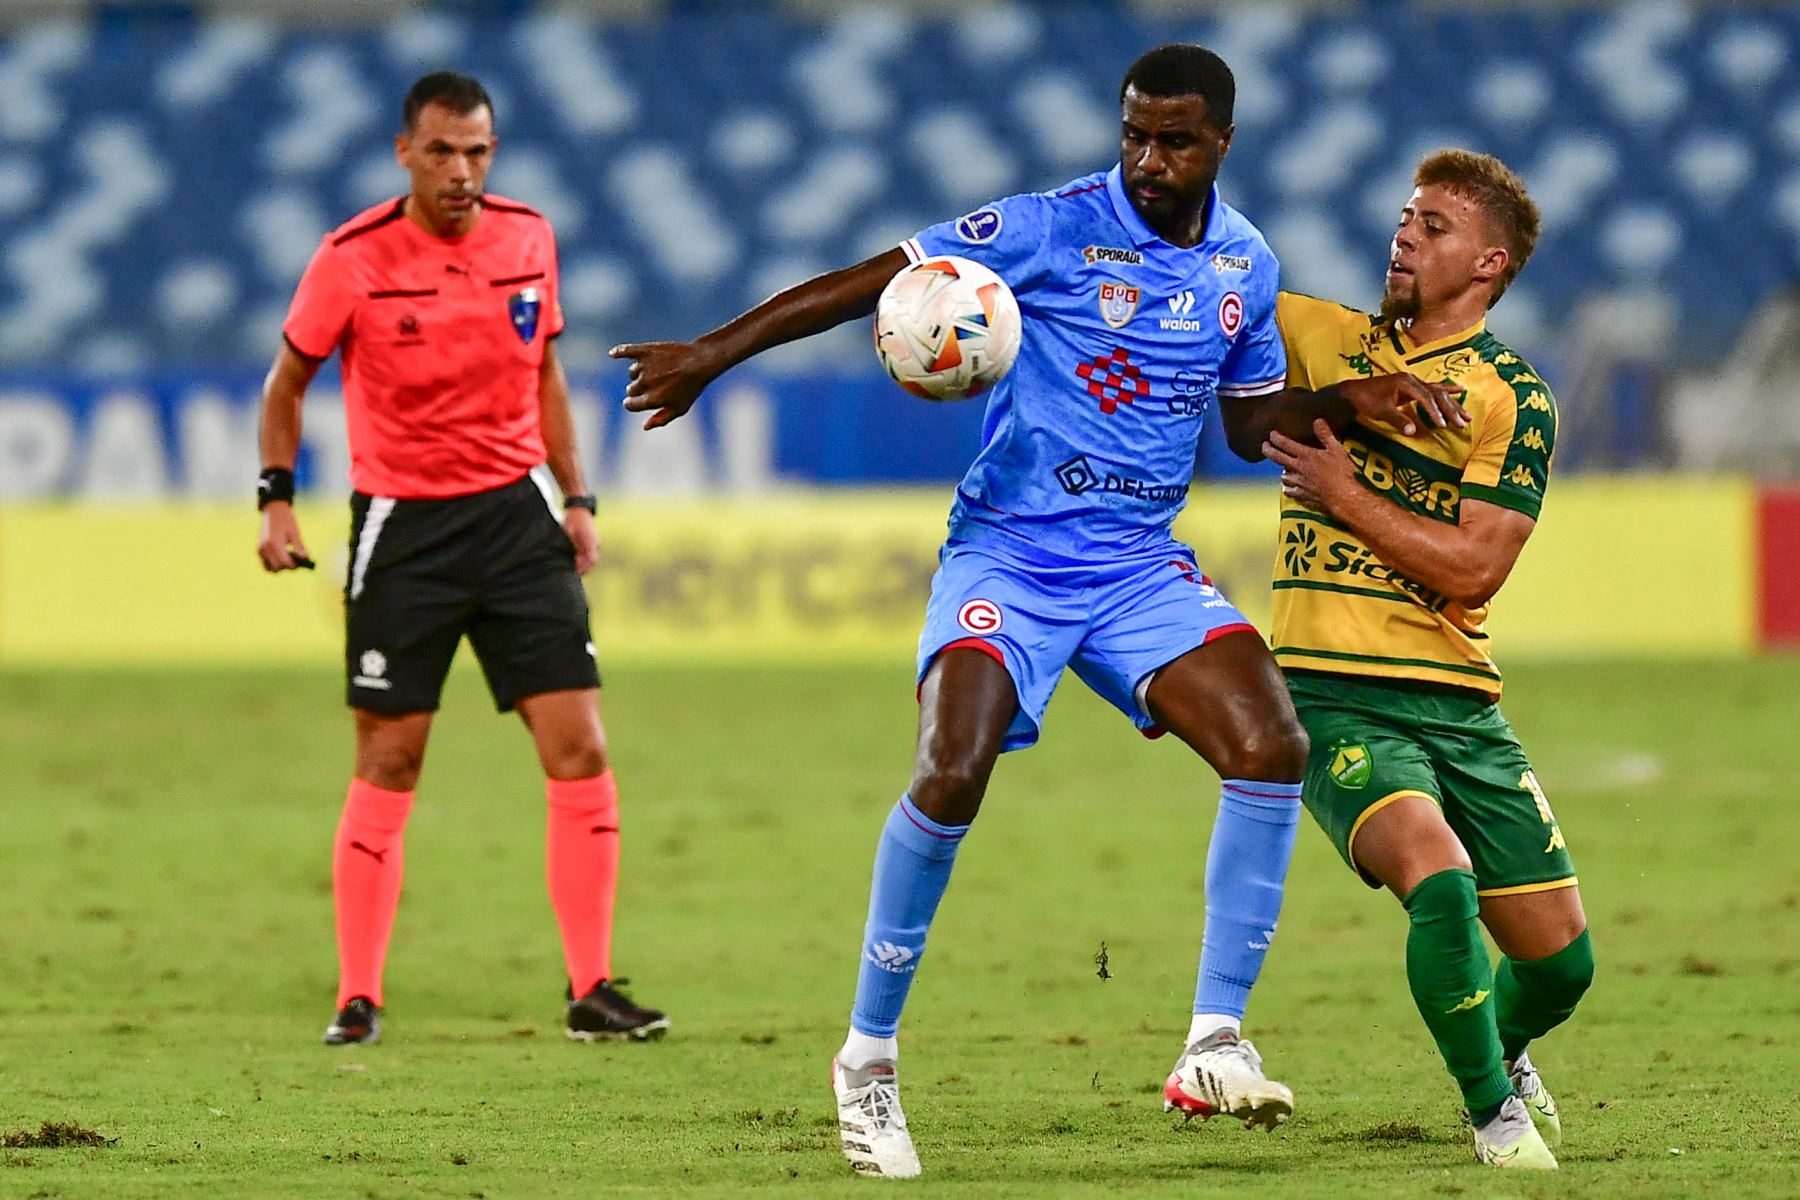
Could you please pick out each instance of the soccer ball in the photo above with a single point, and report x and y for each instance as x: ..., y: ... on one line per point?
x: 946, y: 328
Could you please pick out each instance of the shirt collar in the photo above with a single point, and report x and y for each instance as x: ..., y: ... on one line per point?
x: 1443, y: 343
x: 1141, y: 234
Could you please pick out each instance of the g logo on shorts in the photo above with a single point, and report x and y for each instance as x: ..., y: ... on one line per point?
x: 980, y: 616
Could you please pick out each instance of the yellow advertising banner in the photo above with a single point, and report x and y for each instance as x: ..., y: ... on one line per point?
x: 1639, y: 566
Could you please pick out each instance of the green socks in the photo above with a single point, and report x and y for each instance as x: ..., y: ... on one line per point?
x: 1534, y: 997
x: 1453, y: 985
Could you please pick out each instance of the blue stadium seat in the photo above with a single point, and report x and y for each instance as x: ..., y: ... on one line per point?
x: 164, y: 176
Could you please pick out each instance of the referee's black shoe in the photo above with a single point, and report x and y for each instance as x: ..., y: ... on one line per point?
x: 607, y: 1014
x: 358, y: 1023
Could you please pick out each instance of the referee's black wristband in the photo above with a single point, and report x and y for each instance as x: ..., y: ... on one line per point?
x: 585, y: 500
x: 275, y: 483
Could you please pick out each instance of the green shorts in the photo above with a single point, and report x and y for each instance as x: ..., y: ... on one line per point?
x: 1375, y: 743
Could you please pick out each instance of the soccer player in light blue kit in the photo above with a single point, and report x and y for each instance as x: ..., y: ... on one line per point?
x: 1145, y: 298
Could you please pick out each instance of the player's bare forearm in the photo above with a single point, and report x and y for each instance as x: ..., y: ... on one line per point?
x: 822, y: 302
x: 1291, y: 411
x: 666, y: 378
x: 558, y: 425
x: 1467, y: 561
x: 284, y: 390
x: 1400, y: 401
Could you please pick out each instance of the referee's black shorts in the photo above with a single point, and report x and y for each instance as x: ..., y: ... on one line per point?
x: 494, y: 565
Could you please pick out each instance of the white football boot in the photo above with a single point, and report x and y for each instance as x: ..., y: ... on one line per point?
x: 1511, y: 1140
x: 1538, y: 1101
x: 1222, y: 1075
x: 871, y: 1125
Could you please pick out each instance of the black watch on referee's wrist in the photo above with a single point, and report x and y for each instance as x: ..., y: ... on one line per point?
x: 584, y: 500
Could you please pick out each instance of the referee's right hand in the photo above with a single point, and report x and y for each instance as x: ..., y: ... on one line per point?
x: 280, y: 542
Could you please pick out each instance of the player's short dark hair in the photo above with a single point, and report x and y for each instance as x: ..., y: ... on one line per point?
x: 1185, y: 69
x: 1499, y: 193
x: 461, y: 94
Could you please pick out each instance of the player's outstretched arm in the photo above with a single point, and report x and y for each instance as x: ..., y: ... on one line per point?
x: 667, y: 377
x: 1400, y: 401
x: 278, y: 438
x: 1466, y: 562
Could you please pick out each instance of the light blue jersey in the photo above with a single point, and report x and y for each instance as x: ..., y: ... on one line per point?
x: 1089, y: 442
x: 1060, y: 554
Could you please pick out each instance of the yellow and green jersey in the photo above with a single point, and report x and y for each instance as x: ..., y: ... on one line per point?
x: 1338, y: 608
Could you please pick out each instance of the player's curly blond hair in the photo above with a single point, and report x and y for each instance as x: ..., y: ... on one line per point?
x: 1499, y: 193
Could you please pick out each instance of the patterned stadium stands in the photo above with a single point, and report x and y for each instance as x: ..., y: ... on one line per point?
x: 163, y: 178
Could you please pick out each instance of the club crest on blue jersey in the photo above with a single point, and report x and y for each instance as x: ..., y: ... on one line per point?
x: 1231, y: 314
x: 524, y: 306
x: 979, y: 227
x: 1118, y: 303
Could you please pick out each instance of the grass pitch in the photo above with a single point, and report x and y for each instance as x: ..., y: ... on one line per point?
x: 166, y: 962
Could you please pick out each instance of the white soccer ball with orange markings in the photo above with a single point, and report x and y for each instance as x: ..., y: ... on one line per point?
x: 947, y: 328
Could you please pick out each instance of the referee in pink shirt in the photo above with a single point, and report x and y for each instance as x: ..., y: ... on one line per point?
x: 442, y: 305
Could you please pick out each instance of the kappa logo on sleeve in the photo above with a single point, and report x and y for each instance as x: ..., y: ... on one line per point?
x: 979, y: 227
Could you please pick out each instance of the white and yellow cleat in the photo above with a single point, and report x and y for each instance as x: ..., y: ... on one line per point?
x: 1221, y: 1075
x: 1537, y: 1099
x: 871, y: 1125
x: 1511, y: 1140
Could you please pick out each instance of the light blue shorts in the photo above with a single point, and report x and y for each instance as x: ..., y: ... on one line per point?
x: 1115, y: 623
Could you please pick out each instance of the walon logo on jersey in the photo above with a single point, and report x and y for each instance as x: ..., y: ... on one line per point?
x: 1181, y: 304
x: 524, y: 305
x: 1113, y: 379
x: 1118, y: 303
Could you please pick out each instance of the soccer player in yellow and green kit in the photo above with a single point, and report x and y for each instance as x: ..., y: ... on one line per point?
x: 1394, y: 539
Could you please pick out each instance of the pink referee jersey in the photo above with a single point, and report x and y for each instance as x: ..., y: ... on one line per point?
x: 442, y: 340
